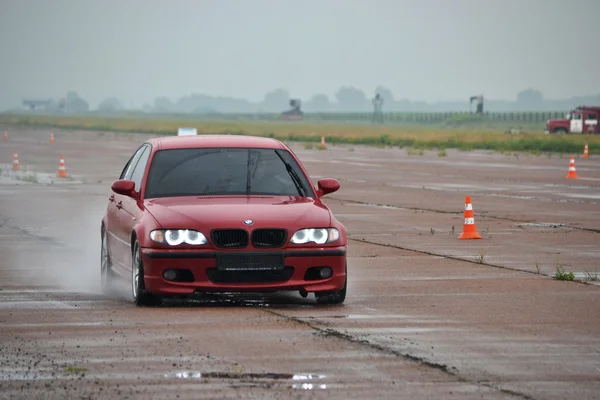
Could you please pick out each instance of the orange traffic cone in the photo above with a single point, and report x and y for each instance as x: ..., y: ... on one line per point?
x: 572, y: 173
x: 585, y: 151
x: 62, y: 170
x: 323, y: 145
x: 51, y: 137
x: 5, y: 136
x: 16, y: 166
x: 469, y: 228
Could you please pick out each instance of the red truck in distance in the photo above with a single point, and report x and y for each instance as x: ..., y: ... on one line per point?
x: 583, y: 119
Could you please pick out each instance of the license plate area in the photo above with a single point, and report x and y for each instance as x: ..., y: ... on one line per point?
x: 250, y: 262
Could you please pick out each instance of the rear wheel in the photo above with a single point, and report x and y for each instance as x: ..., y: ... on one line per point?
x: 138, y: 289
x: 337, y: 297
x: 560, y: 131
x: 106, y: 277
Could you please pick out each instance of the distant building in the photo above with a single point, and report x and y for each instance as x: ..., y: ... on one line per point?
x: 34, y: 105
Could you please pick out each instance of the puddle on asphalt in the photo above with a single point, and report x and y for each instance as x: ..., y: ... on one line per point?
x: 282, y: 299
x: 572, y: 198
x: 585, y: 196
x: 24, y: 177
x: 592, y: 278
x: 366, y: 316
x: 305, y: 381
x: 385, y: 206
x: 355, y: 163
x: 543, y: 224
x: 37, y: 304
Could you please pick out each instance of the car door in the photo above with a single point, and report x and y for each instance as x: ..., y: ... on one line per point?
x: 131, y: 209
x: 590, y: 122
x: 576, y: 122
x: 117, y: 242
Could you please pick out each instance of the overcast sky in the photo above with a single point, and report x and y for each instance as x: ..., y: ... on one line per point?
x: 428, y: 50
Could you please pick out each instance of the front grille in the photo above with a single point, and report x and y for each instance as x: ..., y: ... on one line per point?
x: 264, y: 238
x: 246, y: 276
x: 230, y: 238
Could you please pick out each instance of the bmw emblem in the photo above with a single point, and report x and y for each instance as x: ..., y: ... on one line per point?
x: 248, y: 222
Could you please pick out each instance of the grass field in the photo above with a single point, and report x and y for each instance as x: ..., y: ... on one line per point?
x: 418, y: 137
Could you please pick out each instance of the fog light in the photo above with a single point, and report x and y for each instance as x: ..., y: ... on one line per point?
x: 170, y: 274
x: 325, y: 272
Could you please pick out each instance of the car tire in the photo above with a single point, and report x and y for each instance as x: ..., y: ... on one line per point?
x: 331, y: 298
x: 106, y: 274
x: 138, y: 288
x: 560, y: 131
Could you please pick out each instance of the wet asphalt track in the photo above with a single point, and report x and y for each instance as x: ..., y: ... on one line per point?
x: 427, y: 315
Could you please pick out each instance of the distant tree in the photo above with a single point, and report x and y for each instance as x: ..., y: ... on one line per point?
x: 191, y: 103
x: 54, y: 106
x: 74, y: 103
x: 276, y: 100
x: 318, y: 103
x: 350, y: 98
x: 530, y: 98
x: 110, y: 104
x: 163, y: 105
x: 386, y: 94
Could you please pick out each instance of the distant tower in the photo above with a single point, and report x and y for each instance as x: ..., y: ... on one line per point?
x: 479, y: 99
x: 377, y: 113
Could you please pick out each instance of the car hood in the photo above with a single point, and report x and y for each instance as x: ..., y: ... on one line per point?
x: 231, y: 212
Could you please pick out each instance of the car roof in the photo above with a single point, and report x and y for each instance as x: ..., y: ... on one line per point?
x: 214, y: 140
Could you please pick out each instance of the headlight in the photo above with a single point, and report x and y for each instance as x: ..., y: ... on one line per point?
x: 317, y: 235
x: 177, y: 237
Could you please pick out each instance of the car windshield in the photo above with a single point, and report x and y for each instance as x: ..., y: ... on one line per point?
x: 225, y: 171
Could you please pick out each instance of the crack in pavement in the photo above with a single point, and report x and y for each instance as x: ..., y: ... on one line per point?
x: 451, y: 371
x: 429, y: 253
x: 28, y: 233
x: 482, y: 214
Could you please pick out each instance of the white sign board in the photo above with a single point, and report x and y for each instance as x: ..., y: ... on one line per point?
x: 187, y: 132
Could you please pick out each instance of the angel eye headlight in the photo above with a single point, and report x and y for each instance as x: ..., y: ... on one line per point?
x: 175, y: 237
x: 194, y: 237
x: 316, y: 235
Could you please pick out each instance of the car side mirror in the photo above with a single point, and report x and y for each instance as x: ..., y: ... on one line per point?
x: 124, y: 187
x: 326, y: 186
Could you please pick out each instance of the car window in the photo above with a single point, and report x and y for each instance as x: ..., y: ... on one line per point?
x: 224, y: 171
x: 128, y: 170
x: 138, y: 171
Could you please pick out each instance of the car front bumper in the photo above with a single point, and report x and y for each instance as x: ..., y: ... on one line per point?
x: 203, y: 275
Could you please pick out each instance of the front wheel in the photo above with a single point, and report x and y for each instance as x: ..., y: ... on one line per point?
x: 138, y: 289
x: 337, y: 297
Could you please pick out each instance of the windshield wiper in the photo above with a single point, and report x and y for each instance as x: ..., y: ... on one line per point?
x: 248, y: 175
x: 293, y: 175
x: 253, y: 157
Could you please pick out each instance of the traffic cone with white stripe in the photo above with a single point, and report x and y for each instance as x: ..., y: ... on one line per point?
x: 572, y: 173
x: 51, y: 137
x: 585, y: 151
x: 5, y: 135
x: 62, y: 170
x: 469, y: 228
x: 16, y: 166
x: 323, y: 145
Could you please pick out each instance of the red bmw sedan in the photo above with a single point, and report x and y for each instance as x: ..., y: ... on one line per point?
x: 221, y: 213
